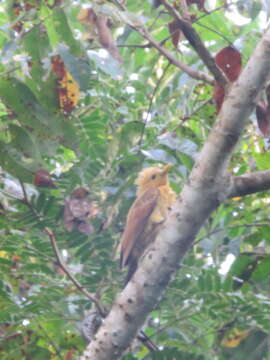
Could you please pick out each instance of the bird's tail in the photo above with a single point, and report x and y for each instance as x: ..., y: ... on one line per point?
x: 147, y: 341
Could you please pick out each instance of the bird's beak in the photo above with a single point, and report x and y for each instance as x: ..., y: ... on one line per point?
x: 166, y: 168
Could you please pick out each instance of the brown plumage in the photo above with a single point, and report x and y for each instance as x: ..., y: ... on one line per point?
x: 150, y: 209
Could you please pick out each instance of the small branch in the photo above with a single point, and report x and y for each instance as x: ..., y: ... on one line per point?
x: 215, y: 32
x: 142, y: 337
x: 140, y: 46
x: 25, y: 198
x: 63, y: 266
x: 187, y: 117
x: 197, y: 44
x: 187, y: 69
x: 225, y: 6
x: 250, y: 183
x: 200, y: 196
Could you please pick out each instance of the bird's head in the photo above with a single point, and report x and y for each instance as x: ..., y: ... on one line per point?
x: 152, y: 177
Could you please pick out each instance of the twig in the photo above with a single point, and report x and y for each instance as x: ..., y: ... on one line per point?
x: 63, y: 266
x: 197, y: 44
x: 187, y: 69
x: 103, y: 312
x: 61, y: 263
x: 225, y: 6
x: 140, y: 46
x: 187, y: 117
x: 215, y: 32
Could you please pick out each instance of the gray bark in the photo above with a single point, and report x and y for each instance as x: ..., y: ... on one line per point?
x: 209, y: 185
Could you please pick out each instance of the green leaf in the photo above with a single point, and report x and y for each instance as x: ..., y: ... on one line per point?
x: 262, y: 270
x: 25, y: 142
x: 13, y: 163
x: 59, y: 30
x: 262, y: 160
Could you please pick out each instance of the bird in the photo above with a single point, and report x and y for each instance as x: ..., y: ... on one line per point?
x: 150, y: 209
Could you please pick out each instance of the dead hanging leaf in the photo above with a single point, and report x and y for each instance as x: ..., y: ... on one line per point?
x: 79, y: 208
x: 43, y: 179
x: 175, y: 33
x: 200, y: 4
x: 97, y: 26
x: 68, y: 89
x: 229, y: 61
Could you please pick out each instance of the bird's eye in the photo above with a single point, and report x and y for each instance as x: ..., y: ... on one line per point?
x: 153, y: 177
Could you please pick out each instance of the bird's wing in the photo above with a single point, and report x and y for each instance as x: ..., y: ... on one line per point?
x: 137, y: 219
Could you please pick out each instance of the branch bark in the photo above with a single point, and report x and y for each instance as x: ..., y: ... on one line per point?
x: 197, y: 44
x: 250, y: 183
x: 63, y: 266
x: 195, y: 74
x: 207, y: 187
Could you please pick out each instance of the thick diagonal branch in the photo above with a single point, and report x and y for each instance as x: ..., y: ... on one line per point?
x: 207, y: 187
x: 197, y: 44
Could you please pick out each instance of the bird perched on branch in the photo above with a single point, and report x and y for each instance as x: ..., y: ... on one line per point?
x: 150, y: 209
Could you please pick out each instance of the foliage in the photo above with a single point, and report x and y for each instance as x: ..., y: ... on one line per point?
x: 115, y: 119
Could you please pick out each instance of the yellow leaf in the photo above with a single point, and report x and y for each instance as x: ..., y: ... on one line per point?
x: 234, y: 338
x: 69, y: 93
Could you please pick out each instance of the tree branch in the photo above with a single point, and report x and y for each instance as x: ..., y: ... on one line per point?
x: 142, y: 337
x: 197, y: 44
x: 204, y: 191
x: 250, y: 183
x: 187, y: 69
x: 63, y: 266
